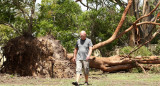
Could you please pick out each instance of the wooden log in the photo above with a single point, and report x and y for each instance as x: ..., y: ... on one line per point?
x: 116, y: 63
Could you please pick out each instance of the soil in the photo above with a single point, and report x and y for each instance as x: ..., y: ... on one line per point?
x: 95, y: 79
x: 31, y: 56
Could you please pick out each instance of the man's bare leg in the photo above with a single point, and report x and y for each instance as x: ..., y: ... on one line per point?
x: 77, y: 80
x: 77, y: 77
x: 86, y: 78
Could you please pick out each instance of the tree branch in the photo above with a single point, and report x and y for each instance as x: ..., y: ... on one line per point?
x: 84, y: 4
x: 113, y: 37
x: 153, y: 36
x: 7, y: 24
x: 141, y: 67
x: 22, y: 11
x: 31, y: 17
x: 148, y: 14
x: 119, y: 2
x: 131, y: 27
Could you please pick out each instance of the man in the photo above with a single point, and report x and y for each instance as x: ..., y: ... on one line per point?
x: 82, y: 53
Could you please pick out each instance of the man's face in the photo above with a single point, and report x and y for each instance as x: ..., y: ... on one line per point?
x: 83, y: 36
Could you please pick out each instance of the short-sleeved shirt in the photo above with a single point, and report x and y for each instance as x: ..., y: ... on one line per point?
x: 83, y: 48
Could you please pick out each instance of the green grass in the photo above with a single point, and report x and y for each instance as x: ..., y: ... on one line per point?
x: 95, y: 79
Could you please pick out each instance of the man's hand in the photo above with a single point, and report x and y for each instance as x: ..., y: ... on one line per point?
x: 74, y: 55
x: 89, y: 53
x: 74, y: 59
x: 88, y: 57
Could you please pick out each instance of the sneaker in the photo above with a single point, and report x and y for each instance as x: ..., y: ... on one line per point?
x: 75, y: 83
x: 86, y: 83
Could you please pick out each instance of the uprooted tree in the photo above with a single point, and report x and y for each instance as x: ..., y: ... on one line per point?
x: 27, y: 55
x: 45, y: 57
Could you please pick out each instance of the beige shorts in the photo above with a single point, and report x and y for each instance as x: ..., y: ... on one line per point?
x: 82, y: 64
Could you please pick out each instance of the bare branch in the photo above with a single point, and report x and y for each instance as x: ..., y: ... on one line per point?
x: 141, y: 67
x: 23, y: 12
x: 153, y: 36
x: 120, y: 3
x: 148, y: 22
x: 131, y: 27
x: 113, y: 37
x: 148, y: 14
x: 84, y: 4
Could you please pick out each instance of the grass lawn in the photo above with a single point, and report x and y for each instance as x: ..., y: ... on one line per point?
x: 95, y: 79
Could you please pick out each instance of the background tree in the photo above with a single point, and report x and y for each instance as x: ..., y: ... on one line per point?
x: 23, y: 12
x: 143, y: 33
x: 60, y: 18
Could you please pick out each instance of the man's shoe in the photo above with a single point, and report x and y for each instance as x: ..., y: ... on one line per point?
x: 86, y: 83
x: 75, y: 83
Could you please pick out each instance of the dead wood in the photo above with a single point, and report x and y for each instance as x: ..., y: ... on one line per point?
x: 116, y: 63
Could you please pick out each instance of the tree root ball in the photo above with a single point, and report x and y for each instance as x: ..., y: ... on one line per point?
x: 42, y: 57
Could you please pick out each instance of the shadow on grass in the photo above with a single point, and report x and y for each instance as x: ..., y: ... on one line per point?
x: 84, y: 84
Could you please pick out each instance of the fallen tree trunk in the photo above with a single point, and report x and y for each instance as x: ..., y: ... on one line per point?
x: 116, y: 63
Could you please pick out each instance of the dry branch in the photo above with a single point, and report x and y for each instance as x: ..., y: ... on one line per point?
x: 153, y: 36
x: 148, y: 14
x: 84, y: 4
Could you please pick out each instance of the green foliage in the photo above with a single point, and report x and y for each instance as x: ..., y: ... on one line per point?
x: 130, y: 19
x: 12, y: 76
x: 143, y: 51
x: 155, y: 69
x: 136, y: 70
x: 17, y: 13
x: 100, y: 25
x: 59, y: 18
x: 6, y: 33
x: 157, y: 51
x: 126, y: 50
x: 6, y: 13
x: 64, y: 19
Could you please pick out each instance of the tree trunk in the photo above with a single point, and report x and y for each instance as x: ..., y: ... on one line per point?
x: 30, y: 25
x: 132, y: 36
x: 116, y: 63
x: 146, y: 29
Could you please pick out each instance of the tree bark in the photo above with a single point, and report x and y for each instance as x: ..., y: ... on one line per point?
x: 116, y: 63
x: 146, y: 29
x: 132, y: 35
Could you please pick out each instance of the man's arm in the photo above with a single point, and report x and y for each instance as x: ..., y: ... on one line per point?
x: 75, y: 54
x: 89, y: 53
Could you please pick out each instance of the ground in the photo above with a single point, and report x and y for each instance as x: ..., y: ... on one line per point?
x: 96, y: 79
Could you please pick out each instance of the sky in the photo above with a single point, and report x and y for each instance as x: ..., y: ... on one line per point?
x: 82, y: 7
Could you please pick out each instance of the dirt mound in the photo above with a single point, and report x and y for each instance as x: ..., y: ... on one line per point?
x: 43, y: 57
